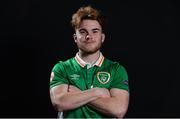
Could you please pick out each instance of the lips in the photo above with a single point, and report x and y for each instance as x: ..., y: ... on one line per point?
x: 89, y: 42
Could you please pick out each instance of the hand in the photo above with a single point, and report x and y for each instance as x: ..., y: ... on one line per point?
x: 72, y: 88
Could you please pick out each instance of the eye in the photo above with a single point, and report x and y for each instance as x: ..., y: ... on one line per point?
x: 95, y: 31
x: 83, y: 32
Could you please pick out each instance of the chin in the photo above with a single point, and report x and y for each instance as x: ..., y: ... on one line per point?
x: 90, y: 51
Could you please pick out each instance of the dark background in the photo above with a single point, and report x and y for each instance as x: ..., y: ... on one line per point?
x: 141, y: 35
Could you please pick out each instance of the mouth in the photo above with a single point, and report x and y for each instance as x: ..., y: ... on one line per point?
x: 88, y: 42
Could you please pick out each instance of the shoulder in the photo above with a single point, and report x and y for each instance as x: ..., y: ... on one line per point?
x: 62, y: 64
x: 113, y: 64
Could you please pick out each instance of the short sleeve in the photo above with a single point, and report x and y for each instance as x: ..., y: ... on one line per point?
x: 120, y: 78
x: 58, y: 75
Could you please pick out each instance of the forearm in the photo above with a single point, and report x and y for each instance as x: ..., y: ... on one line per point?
x: 109, y: 106
x: 72, y: 100
x: 104, y: 105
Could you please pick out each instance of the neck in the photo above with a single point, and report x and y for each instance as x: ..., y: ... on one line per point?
x: 89, y: 58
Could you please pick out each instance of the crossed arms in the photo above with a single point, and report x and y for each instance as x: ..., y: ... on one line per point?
x: 113, y: 102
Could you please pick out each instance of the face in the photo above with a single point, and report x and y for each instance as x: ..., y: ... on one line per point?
x: 89, y: 36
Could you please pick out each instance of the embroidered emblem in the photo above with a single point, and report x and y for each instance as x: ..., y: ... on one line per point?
x: 103, y: 77
x: 74, y: 76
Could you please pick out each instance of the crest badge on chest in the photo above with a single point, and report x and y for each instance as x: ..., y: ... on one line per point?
x: 103, y: 77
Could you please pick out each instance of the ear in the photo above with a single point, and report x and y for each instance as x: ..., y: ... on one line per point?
x: 103, y: 37
x: 75, y: 37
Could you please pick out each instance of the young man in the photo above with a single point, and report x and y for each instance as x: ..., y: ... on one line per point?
x: 89, y: 85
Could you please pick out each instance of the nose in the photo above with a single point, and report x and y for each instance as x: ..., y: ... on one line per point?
x: 88, y: 36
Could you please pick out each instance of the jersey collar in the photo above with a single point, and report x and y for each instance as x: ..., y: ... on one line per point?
x: 83, y: 63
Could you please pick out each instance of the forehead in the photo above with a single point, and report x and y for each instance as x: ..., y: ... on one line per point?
x: 89, y: 24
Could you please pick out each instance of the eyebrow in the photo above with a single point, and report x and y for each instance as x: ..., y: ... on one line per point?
x: 82, y: 29
x: 95, y: 29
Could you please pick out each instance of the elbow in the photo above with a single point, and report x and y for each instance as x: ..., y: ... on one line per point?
x: 60, y: 107
x: 59, y: 104
x: 119, y: 113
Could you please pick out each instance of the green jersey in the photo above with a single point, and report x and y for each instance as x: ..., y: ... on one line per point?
x: 103, y: 74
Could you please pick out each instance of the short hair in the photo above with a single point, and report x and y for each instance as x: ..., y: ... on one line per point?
x: 87, y: 12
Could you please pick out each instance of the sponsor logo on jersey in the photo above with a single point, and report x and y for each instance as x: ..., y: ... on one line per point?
x: 74, y: 76
x: 125, y: 82
x: 103, y: 77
